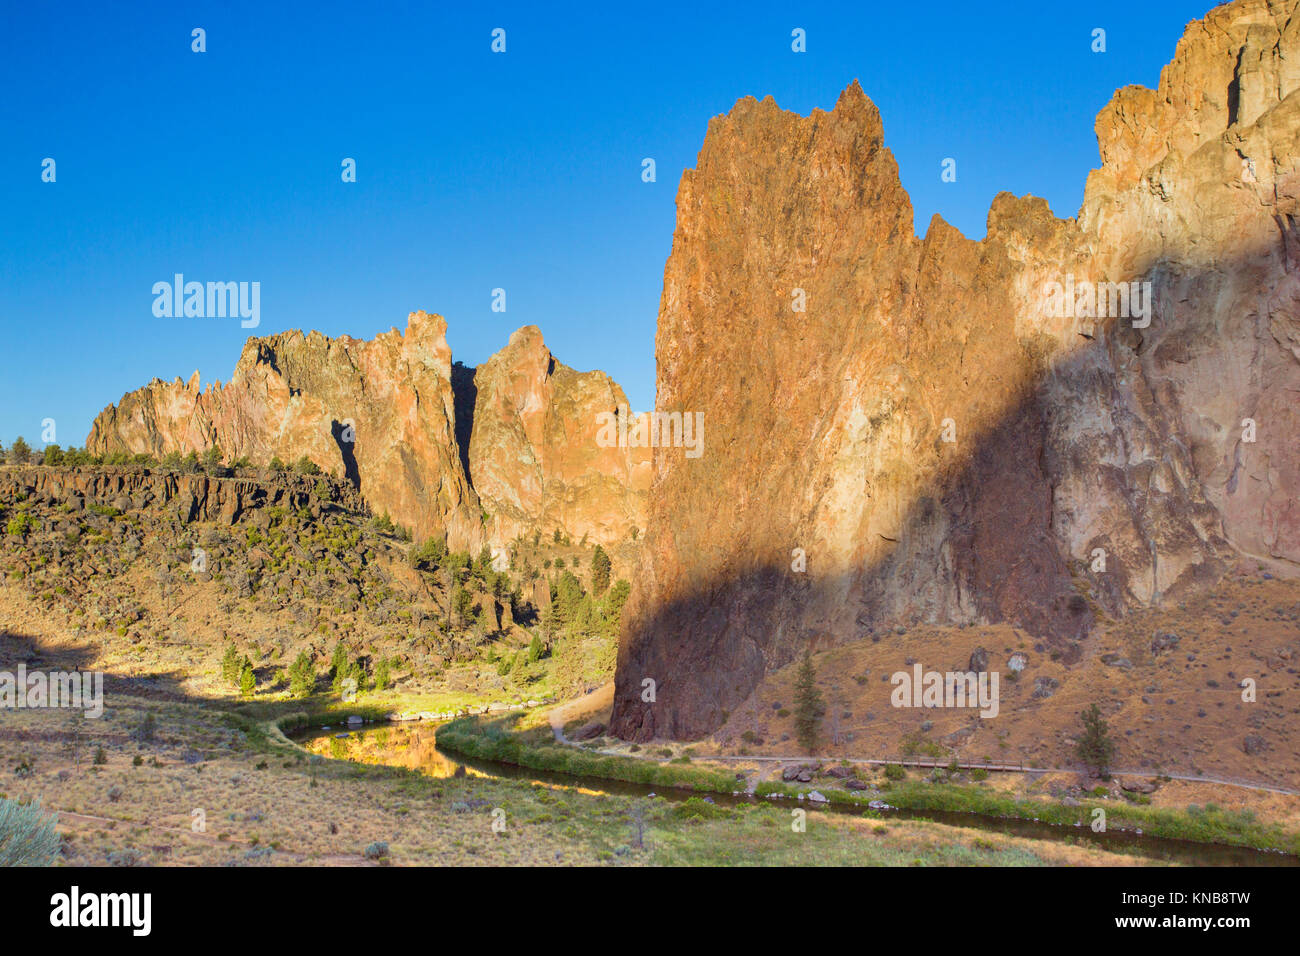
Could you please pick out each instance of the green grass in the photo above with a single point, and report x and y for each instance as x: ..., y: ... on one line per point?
x: 1209, y: 824
x: 490, y: 740
x: 695, y: 833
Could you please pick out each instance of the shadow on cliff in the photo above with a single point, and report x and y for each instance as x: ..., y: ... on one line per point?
x: 465, y: 397
x: 345, y: 438
x: 978, y: 547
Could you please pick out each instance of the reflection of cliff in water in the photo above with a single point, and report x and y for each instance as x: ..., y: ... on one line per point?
x: 413, y: 746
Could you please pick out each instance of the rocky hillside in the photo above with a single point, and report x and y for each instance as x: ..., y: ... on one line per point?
x: 158, y: 571
x: 480, y: 455
x: 936, y: 430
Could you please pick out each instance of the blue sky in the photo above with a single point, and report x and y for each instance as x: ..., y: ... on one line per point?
x: 475, y: 170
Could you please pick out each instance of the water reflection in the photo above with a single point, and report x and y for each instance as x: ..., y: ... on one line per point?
x: 414, y: 746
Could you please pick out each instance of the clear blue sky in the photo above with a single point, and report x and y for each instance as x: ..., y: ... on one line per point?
x: 475, y: 170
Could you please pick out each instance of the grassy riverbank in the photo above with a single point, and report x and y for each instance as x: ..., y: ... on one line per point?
x: 492, y: 740
x: 1207, y: 824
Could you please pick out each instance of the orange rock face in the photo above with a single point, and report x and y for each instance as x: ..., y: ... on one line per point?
x: 534, y: 458
x: 383, y: 413
x: 934, y: 429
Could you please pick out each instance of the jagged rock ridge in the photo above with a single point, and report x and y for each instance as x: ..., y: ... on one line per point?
x: 941, y: 440
x: 384, y: 413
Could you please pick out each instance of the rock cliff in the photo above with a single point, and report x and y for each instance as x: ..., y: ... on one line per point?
x: 1064, y: 419
x: 392, y: 416
x: 534, y: 458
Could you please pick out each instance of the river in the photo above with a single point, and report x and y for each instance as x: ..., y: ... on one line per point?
x: 414, y: 746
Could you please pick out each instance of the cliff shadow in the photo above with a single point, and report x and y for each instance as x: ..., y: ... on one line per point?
x: 464, y: 396
x: 346, y: 438
x: 978, y: 546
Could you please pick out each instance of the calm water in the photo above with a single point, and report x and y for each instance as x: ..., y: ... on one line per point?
x: 414, y: 746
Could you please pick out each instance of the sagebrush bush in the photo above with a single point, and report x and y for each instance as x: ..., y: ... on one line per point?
x: 27, y: 835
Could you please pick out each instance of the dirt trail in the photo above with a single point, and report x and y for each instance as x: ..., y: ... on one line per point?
x: 599, y: 699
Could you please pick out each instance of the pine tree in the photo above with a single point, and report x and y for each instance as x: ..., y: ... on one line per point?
x: 356, y: 671
x: 302, y: 675
x: 507, y: 664
x: 535, y: 649
x: 614, y: 602
x: 809, y: 708
x: 462, y: 601
x: 600, y: 567
x: 1096, y: 748
x: 247, y: 679
x: 19, y: 452
x: 382, y: 674
x: 569, y: 667
x: 338, y: 666
x: 568, y: 594
x: 230, y: 666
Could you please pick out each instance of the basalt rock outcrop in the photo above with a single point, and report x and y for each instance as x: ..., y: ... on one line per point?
x: 534, y: 455
x: 197, y: 497
x: 392, y: 416
x: 931, y: 429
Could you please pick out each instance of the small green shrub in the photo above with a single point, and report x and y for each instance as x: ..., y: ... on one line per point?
x: 27, y: 835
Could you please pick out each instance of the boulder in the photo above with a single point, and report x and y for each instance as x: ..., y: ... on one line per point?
x: 589, y: 731
x: 1045, y: 687
x: 1163, y: 642
x: 800, y: 772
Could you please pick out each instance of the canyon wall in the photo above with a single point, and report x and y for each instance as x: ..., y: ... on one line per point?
x: 534, y: 457
x: 395, y: 418
x: 904, y: 429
